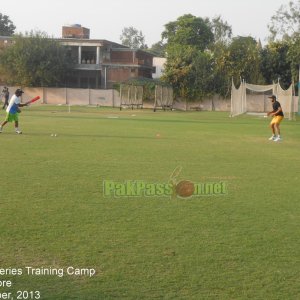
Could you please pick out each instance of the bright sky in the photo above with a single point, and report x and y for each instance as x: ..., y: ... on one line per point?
x: 106, y: 19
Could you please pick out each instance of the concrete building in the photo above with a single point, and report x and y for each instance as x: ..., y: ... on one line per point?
x: 102, y: 63
x: 159, y: 66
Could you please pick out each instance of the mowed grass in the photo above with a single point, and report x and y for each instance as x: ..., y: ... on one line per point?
x: 243, y: 245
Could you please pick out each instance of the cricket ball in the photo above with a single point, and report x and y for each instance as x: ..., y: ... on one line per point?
x: 185, y: 189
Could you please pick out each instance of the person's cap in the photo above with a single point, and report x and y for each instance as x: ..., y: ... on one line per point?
x: 19, y: 91
x: 272, y: 97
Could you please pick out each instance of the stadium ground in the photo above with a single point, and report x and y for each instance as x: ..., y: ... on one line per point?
x: 241, y: 245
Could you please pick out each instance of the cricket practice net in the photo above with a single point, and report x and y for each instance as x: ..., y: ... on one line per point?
x: 251, y: 98
x: 163, y: 97
x: 131, y: 96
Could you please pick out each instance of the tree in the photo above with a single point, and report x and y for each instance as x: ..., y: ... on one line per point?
x: 221, y: 30
x: 293, y: 58
x: 189, y: 30
x: 275, y: 64
x: 34, y: 60
x: 158, y: 49
x: 244, y: 59
x: 222, y: 37
x: 7, y: 28
x: 285, y: 24
x: 188, y: 66
x: 221, y: 69
x: 187, y: 70
x: 133, y: 38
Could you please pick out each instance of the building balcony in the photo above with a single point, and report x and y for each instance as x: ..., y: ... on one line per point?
x: 126, y: 61
x: 87, y: 67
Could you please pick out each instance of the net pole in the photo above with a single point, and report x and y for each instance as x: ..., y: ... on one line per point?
x: 136, y: 97
x: 161, y: 97
x: 299, y: 93
x: 155, y: 98
x: 292, y: 101
x: 231, y: 98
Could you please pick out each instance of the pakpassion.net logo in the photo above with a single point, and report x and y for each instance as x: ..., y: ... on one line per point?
x: 173, y: 188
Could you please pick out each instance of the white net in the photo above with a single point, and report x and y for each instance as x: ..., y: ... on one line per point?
x: 250, y: 98
x: 285, y: 97
x: 163, y: 97
x: 131, y: 96
x: 137, y: 98
x: 238, y: 100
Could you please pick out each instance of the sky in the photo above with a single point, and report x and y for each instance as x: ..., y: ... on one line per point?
x: 106, y: 19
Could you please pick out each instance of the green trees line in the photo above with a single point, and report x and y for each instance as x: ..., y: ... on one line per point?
x: 203, y: 58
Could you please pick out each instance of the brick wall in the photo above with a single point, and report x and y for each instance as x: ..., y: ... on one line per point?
x: 118, y: 75
x: 129, y: 57
x: 75, y: 32
x: 122, y: 57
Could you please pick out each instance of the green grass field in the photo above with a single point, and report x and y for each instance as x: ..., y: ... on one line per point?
x: 242, y: 245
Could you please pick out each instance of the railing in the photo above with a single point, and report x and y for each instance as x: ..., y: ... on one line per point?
x: 126, y: 61
x: 88, y: 61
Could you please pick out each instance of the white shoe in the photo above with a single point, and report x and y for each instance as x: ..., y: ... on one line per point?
x: 18, y: 131
x: 272, y: 138
x: 278, y: 139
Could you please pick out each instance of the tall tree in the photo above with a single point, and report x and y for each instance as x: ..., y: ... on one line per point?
x: 221, y: 69
x: 244, y: 59
x: 285, y: 24
x: 133, y: 38
x: 7, y: 28
x: 34, y: 60
x: 221, y: 30
x: 188, y: 66
x: 187, y: 70
x: 275, y: 64
x: 293, y: 58
x: 190, y: 31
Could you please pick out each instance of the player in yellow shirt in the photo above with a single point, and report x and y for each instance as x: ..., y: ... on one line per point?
x: 278, y: 116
